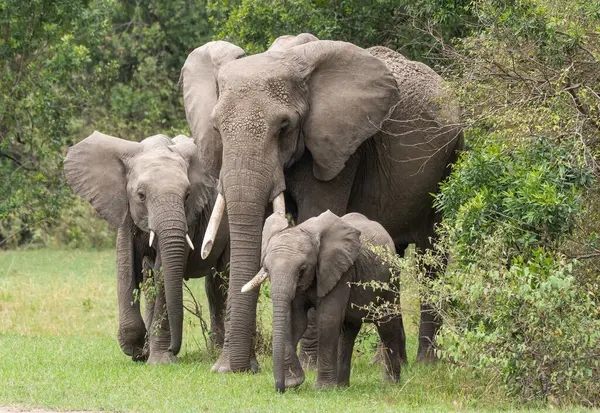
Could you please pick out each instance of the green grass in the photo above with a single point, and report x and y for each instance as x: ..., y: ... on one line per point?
x: 58, y: 350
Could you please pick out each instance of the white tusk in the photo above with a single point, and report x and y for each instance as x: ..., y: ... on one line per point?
x: 151, y: 237
x: 213, y: 226
x: 279, y: 204
x: 189, y: 241
x: 256, y: 281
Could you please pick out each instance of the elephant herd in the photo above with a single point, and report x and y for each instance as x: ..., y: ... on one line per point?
x: 351, y: 142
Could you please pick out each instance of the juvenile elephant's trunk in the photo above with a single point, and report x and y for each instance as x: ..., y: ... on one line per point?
x: 171, y: 229
x: 281, y: 336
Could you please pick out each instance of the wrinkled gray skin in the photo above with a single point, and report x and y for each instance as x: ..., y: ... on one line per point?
x: 311, y: 266
x: 158, y: 184
x: 309, y: 117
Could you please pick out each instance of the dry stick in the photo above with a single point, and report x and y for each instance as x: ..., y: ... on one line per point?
x: 197, y: 312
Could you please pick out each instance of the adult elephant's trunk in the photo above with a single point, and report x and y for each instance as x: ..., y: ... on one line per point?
x: 248, y: 187
x: 171, y: 229
x: 281, y: 336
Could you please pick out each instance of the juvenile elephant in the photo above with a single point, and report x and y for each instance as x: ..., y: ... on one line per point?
x: 156, y: 188
x: 314, y: 265
x: 328, y: 125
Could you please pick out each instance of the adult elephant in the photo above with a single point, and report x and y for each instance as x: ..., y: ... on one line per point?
x: 333, y: 125
x: 159, y: 189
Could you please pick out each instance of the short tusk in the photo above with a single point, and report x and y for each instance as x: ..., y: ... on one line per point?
x: 279, y: 204
x: 189, y: 241
x: 213, y: 226
x: 256, y: 281
x: 151, y: 237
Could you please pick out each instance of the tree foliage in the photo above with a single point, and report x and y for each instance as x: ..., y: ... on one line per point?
x: 44, y: 50
x: 406, y: 26
x: 72, y: 66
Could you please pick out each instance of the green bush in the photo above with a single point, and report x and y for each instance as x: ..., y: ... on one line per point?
x: 529, y: 322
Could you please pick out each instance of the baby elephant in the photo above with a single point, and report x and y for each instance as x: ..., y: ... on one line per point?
x: 313, y: 265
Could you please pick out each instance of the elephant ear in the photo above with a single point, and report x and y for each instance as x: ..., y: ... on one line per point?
x: 339, y: 246
x: 201, y: 183
x: 96, y: 171
x: 350, y: 94
x: 288, y: 41
x: 274, y: 223
x: 199, y: 82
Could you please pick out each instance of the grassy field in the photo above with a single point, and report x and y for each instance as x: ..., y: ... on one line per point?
x: 58, y: 350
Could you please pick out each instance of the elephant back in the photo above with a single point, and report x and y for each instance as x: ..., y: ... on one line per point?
x: 422, y: 91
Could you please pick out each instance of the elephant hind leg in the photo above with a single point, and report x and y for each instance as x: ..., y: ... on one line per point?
x: 430, y: 319
x: 392, y: 336
x: 345, y: 349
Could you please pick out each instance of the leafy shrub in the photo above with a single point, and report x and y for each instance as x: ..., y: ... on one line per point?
x: 529, y: 322
x: 531, y: 190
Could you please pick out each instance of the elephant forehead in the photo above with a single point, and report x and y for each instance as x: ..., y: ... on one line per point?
x: 159, y: 165
x: 290, y: 241
x: 266, y: 77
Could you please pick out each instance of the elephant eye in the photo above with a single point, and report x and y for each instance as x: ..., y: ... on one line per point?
x: 141, y: 196
x: 302, y: 270
x: 187, y: 195
x: 283, y: 127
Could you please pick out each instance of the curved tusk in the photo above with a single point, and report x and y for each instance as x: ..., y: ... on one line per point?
x: 189, y: 241
x: 151, y: 237
x: 279, y: 204
x: 213, y: 226
x: 256, y: 281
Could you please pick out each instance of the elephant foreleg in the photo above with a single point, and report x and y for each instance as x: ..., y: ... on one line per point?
x: 330, y: 317
x: 310, y: 342
x: 132, y: 331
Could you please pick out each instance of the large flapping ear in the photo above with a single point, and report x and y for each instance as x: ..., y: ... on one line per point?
x: 339, y: 246
x: 95, y: 169
x: 274, y: 223
x: 201, y: 183
x: 288, y: 41
x: 350, y: 93
x: 199, y: 81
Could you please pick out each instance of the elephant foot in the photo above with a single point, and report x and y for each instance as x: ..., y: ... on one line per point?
x: 162, y: 358
x: 324, y: 385
x: 293, y: 379
x: 222, y: 364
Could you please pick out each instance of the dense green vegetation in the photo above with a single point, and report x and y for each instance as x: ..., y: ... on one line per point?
x: 521, y: 215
